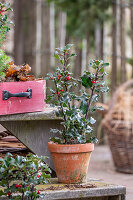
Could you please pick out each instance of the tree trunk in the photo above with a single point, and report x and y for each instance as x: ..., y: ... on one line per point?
x: 97, y: 40
x: 87, y: 50
x: 61, y: 29
x: 131, y: 14
x: 122, y: 41
x: 114, y: 49
x: 38, y: 37
x: 32, y: 35
x: 84, y: 54
x: 25, y: 32
x: 78, y: 61
x: 18, y: 35
x: 52, y: 33
x: 102, y: 41
x: 45, y: 48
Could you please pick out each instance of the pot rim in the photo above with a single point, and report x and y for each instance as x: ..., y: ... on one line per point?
x: 70, y: 148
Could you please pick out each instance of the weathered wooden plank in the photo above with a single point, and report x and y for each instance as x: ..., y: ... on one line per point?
x: 47, y: 114
x: 34, y: 134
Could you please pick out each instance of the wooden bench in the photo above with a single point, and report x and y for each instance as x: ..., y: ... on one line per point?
x: 98, y: 191
x: 92, y: 190
x: 33, y: 129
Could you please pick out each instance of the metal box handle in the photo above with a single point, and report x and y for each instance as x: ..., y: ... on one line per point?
x: 7, y: 94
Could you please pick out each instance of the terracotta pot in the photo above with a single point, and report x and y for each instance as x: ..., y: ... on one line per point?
x: 71, y: 161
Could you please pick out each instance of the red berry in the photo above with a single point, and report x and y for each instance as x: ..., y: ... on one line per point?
x: 61, y: 90
x: 93, y: 81
x: 97, y: 81
x: 38, y: 176
x: 38, y: 192
x: 58, y: 93
x: 51, y: 78
x: 59, y: 76
x: 9, y: 193
x: 68, y: 78
x: 3, y: 10
x: 18, y: 186
x: 68, y: 74
x: 67, y: 53
x: 1, y: 13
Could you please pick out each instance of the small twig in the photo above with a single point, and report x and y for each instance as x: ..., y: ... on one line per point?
x: 60, y: 102
x: 65, y: 62
x: 92, y: 93
x: 90, y: 99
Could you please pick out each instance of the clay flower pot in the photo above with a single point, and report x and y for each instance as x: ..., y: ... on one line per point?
x: 71, y: 161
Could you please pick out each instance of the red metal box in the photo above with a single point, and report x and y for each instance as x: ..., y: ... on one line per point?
x: 22, y: 97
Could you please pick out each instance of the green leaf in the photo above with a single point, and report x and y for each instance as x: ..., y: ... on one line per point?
x: 100, y: 108
x: 68, y: 46
x: 84, y: 106
x: 101, y: 70
x: 86, y: 81
x: 2, y: 193
x: 18, y: 159
x: 94, y: 108
x: 104, y: 89
x: 73, y: 54
x: 55, y: 140
x: 2, y: 169
x: 95, y: 98
x: 105, y: 64
x: 62, y: 61
x: 56, y: 55
x: 92, y: 120
x: 93, y: 140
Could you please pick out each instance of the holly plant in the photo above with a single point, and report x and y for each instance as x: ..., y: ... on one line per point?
x: 4, y: 22
x: 76, y: 110
x: 20, y: 175
x: 4, y: 29
x: 4, y: 63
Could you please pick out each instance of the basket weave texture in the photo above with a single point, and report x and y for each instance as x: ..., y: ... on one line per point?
x: 118, y: 124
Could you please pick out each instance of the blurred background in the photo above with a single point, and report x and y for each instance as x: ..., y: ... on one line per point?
x: 98, y: 29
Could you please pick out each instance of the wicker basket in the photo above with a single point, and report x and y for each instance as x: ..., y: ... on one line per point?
x: 118, y: 124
